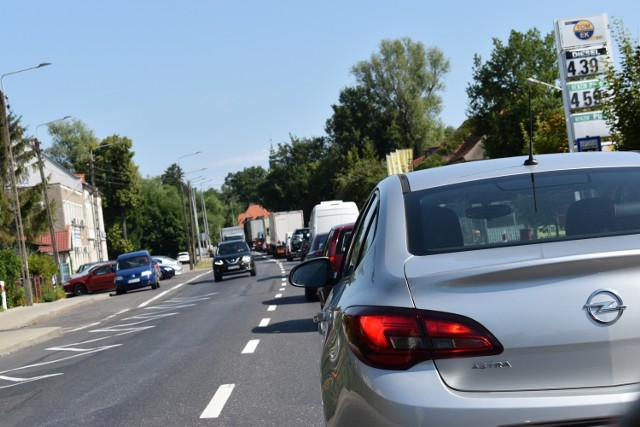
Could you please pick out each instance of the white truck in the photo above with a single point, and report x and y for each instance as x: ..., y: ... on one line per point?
x: 232, y: 233
x: 329, y: 213
x: 280, y: 223
x: 256, y: 229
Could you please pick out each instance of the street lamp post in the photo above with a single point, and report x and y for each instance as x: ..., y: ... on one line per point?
x: 184, y: 211
x: 22, y: 245
x: 45, y: 195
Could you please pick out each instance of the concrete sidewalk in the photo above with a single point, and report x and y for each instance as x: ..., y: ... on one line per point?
x: 21, y: 327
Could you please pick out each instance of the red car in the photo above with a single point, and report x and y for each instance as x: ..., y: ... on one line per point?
x: 96, y: 279
x: 335, y: 248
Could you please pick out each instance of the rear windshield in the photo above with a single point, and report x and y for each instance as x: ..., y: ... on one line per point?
x: 524, y: 209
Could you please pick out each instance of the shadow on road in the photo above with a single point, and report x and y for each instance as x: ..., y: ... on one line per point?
x: 288, y: 327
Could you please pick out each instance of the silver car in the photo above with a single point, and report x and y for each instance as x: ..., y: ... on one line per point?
x: 487, y: 293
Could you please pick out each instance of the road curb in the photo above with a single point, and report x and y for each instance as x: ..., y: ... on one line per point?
x: 19, y: 339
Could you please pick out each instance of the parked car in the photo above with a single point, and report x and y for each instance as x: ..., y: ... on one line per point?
x: 164, y: 271
x: 233, y: 257
x: 496, y: 292
x: 97, y: 278
x: 334, y: 249
x: 135, y: 270
x: 87, y: 266
x: 183, y: 257
x: 164, y: 260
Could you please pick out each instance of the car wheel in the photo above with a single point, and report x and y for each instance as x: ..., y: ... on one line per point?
x: 80, y: 289
x: 217, y: 277
x: 253, y: 271
x: 120, y: 291
x: 311, y: 294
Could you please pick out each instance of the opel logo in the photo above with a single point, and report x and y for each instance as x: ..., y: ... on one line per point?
x: 604, y: 306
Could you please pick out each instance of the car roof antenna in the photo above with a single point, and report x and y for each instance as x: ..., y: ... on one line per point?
x: 530, y: 161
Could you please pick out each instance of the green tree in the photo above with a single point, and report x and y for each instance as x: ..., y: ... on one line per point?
x: 402, y: 83
x: 549, y: 136
x: 72, y: 144
x: 32, y: 211
x: 623, y: 107
x: 364, y: 173
x: 171, y: 176
x: 118, y: 181
x: 499, y: 94
x: 159, y: 227
x: 245, y: 184
x: 292, y: 175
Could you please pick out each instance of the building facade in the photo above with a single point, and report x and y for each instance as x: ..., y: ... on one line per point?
x: 77, y: 217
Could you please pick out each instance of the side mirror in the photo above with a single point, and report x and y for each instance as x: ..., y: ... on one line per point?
x: 315, y: 273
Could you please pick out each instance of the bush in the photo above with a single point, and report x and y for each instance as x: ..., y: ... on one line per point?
x: 10, y: 274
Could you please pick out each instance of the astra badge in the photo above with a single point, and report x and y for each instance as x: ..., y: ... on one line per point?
x: 604, y: 306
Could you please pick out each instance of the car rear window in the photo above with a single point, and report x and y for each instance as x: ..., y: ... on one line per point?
x: 524, y: 209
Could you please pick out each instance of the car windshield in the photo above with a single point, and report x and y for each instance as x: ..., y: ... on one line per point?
x: 232, y: 249
x: 132, y: 262
x: 524, y: 209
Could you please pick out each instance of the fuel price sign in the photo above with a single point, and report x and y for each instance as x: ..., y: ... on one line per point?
x: 586, y: 62
x: 586, y: 93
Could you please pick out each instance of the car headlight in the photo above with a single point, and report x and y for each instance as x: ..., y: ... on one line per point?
x: 119, y: 278
x: 246, y: 258
x: 146, y: 273
x: 218, y: 262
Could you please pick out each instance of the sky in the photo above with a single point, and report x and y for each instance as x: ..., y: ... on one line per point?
x: 230, y: 79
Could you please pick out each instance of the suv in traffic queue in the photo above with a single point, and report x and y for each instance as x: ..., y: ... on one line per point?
x: 233, y: 257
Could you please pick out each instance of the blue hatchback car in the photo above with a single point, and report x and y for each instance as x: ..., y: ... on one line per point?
x: 135, y: 270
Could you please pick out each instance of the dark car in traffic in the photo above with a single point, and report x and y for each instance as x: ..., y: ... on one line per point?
x: 233, y: 257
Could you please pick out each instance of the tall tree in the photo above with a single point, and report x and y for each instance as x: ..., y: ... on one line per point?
x: 623, y: 107
x: 32, y: 211
x: 499, y: 94
x: 72, y: 144
x: 292, y: 175
x: 245, y: 185
x: 403, y: 82
x: 118, y: 180
x: 365, y: 171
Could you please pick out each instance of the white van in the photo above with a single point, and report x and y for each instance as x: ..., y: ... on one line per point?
x: 327, y: 214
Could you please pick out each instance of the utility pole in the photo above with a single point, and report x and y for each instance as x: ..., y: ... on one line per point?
x: 96, y: 221
x: 47, y: 204
x: 22, y: 247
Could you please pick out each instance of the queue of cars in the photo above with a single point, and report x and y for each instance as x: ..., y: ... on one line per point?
x: 498, y: 292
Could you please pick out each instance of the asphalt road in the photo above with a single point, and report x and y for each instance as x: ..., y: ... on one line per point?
x: 241, y: 352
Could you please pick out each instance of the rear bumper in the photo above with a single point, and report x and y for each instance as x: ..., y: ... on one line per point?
x: 419, y: 397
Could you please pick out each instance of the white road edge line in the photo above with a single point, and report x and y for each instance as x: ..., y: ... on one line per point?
x: 250, y: 347
x: 214, y: 408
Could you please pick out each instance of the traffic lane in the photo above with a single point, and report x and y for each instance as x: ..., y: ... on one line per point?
x: 169, y: 363
x: 286, y: 376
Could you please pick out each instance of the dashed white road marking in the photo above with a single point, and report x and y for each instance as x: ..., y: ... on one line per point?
x: 250, y: 347
x: 272, y: 308
x: 278, y: 295
x: 214, y: 408
x: 264, y: 322
x: 281, y: 289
